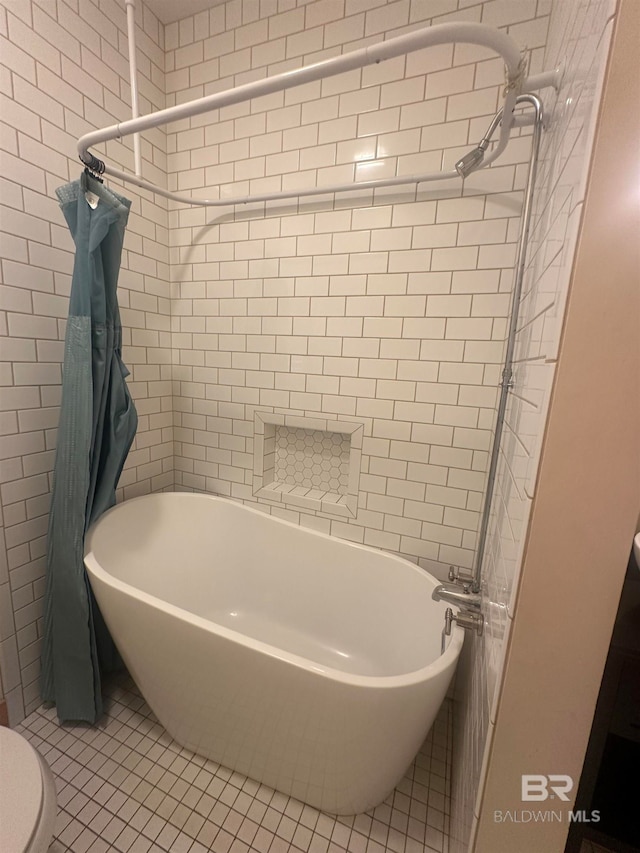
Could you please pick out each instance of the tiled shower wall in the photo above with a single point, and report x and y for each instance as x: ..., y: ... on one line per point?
x: 386, y: 309
x: 579, y: 37
x: 65, y: 72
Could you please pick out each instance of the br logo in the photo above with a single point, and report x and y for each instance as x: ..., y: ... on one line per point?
x: 538, y: 787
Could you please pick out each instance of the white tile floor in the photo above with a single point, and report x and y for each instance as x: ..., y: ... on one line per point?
x: 125, y: 785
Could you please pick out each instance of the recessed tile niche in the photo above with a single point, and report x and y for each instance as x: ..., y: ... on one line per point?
x: 309, y: 463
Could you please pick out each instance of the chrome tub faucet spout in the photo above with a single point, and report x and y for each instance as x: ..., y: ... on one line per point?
x: 463, y: 598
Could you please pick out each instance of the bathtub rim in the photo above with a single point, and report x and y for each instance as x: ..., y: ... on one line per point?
x: 425, y: 673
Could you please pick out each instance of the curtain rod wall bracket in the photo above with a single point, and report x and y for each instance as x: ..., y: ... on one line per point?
x: 544, y: 80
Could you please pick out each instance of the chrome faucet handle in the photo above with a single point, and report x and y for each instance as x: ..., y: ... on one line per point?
x: 469, y: 621
x: 448, y: 620
x: 446, y: 631
x: 455, y: 577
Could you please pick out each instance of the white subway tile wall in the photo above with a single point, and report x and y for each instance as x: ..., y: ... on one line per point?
x: 579, y: 37
x: 386, y: 308
x: 65, y: 72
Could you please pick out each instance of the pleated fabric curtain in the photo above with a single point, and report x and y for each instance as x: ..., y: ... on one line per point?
x: 97, y: 425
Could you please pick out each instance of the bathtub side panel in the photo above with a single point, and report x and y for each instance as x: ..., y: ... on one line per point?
x: 337, y: 746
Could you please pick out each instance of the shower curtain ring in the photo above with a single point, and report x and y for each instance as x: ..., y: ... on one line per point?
x: 93, y: 165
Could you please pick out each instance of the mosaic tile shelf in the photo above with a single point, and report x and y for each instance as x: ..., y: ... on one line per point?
x: 307, y: 462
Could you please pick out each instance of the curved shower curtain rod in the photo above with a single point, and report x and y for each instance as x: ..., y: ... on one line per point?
x: 469, y: 33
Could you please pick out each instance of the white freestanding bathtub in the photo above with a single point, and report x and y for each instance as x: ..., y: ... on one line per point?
x: 305, y: 662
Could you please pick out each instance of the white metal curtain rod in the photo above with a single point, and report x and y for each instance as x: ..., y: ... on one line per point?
x: 469, y: 33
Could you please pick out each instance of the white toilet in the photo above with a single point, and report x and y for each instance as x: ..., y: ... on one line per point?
x: 27, y: 797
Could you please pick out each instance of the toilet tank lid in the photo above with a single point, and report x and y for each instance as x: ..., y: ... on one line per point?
x: 21, y: 791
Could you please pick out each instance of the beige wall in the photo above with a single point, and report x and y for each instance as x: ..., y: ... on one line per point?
x: 588, y: 490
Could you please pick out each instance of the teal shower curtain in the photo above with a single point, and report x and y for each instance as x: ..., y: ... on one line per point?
x: 97, y: 425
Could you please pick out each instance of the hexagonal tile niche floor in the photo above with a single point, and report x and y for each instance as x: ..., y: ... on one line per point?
x: 312, y: 458
x: 126, y: 786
